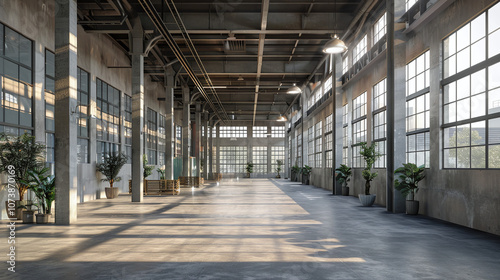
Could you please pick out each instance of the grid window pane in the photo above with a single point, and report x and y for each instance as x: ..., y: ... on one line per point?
x: 417, y: 74
x: 233, y: 159
x: 379, y: 29
x: 233, y: 132
x: 278, y: 132
x: 259, y: 131
x: 259, y: 159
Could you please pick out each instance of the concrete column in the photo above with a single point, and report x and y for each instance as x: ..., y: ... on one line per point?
x: 169, y: 124
x: 186, y: 115
x: 65, y: 103
x: 197, y: 138
x: 217, y: 150
x: 205, y: 147
x: 211, y: 153
x: 137, y: 111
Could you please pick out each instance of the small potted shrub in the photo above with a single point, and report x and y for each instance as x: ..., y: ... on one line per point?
x: 306, y: 172
x: 110, y: 168
x: 161, y: 173
x: 44, y: 187
x: 29, y: 212
x: 249, y: 168
x: 147, y: 169
x: 279, y: 163
x: 409, y: 175
x: 370, y: 155
x: 295, y: 173
x: 344, y: 176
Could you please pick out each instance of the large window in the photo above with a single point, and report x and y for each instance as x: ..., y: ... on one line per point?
x: 359, y: 50
x: 152, y: 136
x: 471, y: 96
x: 233, y: 159
x: 417, y: 111
x: 83, y: 116
x: 345, y: 64
x: 345, y: 134
x: 299, y: 150
x: 108, y: 119
x: 358, y: 129
x: 310, y: 146
x: 259, y: 159
x: 379, y: 29
x: 328, y: 141
x: 127, y: 126
x: 233, y: 132
x: 379, y: 121
x: 162, y: 139
x: 259, y: 131
x: 318, y: 156
x: 16, y: 82
x: 278, y: 132
x: 49, y: 98
x: 178, y: 141
x: 410, y: 3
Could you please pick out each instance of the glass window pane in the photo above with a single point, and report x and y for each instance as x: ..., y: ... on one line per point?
x: 493, y: 19
x: 463, y: 88
x: 463, y: 37
x: 493, y: 81
x: 463, y: 157
x: 494, y: 101
x: 478, y: 28
x: 478, y: 52
x: 463, y: 109
x: 450, y: 158
x: 478, y: 82
x: 463, y: 60
x: 11, y: 44
x: 25, y: 51
x: 494, y: 156
x: 493, y: 43
x: 478, y: 133
x: 494, y: 131
x: 463, y: 135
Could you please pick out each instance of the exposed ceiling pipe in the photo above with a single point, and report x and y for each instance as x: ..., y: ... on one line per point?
x: 365, y: 16
x: 356, y: 18
x: 262, y: 37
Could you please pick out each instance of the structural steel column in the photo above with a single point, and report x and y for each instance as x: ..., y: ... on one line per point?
x: 334, y: 139
x: 205, y: 147
x: 169, y: 123
x: 137, y: 111
x: 197, y: 139
x: 65, y: 104
x: 186, y: 115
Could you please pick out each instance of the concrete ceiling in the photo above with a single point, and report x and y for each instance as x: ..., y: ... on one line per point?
x: 253, y: 51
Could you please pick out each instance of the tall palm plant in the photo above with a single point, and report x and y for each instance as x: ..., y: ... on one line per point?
x: 111, y: 166
x: 22, y: 152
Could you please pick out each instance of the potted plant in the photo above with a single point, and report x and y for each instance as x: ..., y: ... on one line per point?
x: 306, y: 172
x: 161, y: 173
x: 409, y: 175
x: 370, y: 155
x: 279, y: 162
x: 110, y: 167
x: 44, y: 187
x: 147, y: 169
x: 295, y: 173
x: 249, y: 168
x: 28, y: 213
x: 24, y: 154
x: 344, y: 176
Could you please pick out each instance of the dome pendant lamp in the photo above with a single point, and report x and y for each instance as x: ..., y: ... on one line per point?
x: 335, y: 45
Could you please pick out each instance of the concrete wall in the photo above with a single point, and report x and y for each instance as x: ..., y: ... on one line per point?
x: 96, y: 52
x: 465, y: 197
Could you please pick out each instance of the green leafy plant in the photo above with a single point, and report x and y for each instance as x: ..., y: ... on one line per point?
x: 161, y: 173
x: 110, y: 167
x: 343, y: 174
x: 22, y: 152
x: 249, y: 167
x: 409, y: 175
x: 43, y: 186
x: 147, y: 169
x: 306, y: 170
x: 370, y: 155
x: 279, y: 163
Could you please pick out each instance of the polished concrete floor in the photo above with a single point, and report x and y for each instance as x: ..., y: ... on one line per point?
x: 249, y: 229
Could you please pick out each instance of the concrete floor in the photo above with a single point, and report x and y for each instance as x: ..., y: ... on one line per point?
x: 249, y: 229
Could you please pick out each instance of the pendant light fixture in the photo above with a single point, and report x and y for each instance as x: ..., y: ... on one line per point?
x: 335, y: 45
x: 294, y: 89
x: 282, y: 118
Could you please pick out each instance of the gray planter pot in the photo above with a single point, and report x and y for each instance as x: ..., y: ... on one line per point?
x: 345, y: 191
x: 412, y: 207
x: 111, y: 192
x: 367, y: 200
x: 28, y: 217
x: 42, y: 218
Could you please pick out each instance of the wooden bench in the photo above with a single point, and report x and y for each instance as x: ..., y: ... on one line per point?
x: 191, y: 181
x: 159, y: 187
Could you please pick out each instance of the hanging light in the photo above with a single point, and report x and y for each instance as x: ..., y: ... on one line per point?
x: 294, y: 89
x: 335, y: 45
x: 282, y: 118
x: 241, y: 78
